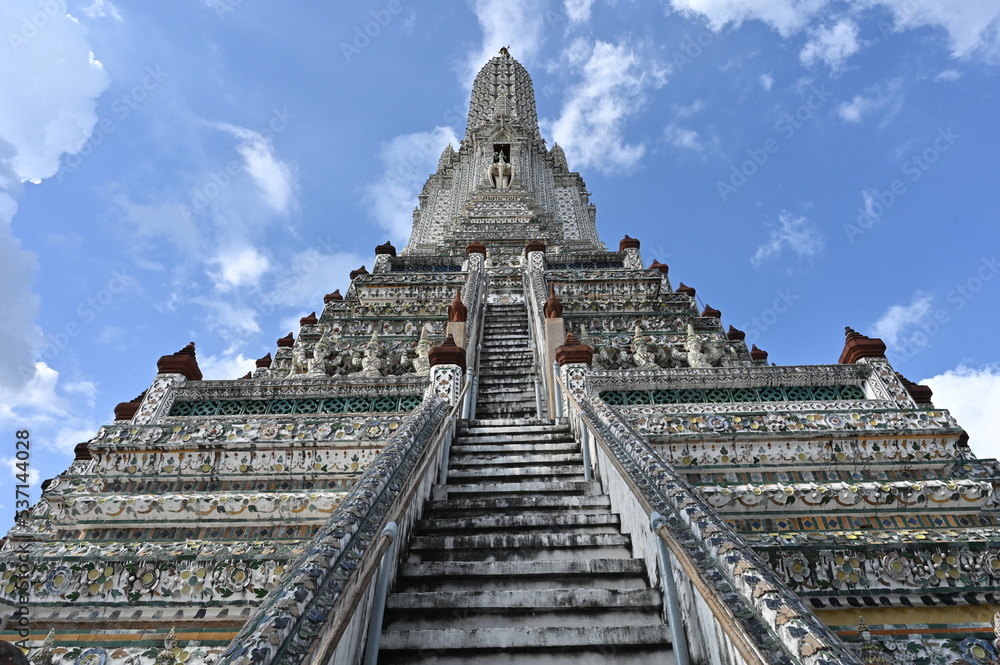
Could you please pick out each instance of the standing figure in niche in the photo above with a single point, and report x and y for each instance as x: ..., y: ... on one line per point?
x: 499, y: 172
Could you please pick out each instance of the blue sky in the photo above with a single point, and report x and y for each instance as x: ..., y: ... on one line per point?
x: 205, y: 170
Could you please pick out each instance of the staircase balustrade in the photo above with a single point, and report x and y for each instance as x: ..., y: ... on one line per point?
x: 733, y: 601
x: 321, y: 609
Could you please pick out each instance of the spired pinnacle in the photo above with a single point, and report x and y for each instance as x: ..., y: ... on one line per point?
x: 503, y: 92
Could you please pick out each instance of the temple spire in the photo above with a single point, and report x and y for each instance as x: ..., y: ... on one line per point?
x: 503, y: 93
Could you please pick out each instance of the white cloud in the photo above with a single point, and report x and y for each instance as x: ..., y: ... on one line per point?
x: 51, y: 81
x: 973, y: 26
x: 591, y: 123
x: 50, y: 408
x: 785, y: 16
x: 225, y: 365
x: 11, y: 463
x: 887, y: 97
x: 234, y: 321
x: 972, y: 396
x: 275, y: 178
x: 766, y: 81
x: 948, y: 75
x: 831, y: 45
x: 406, y: 160
x: 897, y: 325
x: 313, y: 273
x: 515, y: 23
x: 238, y: 266
x: 683, y: 138
x: 578, y: 11
x: 689, y: 110
x: 794, y: 233
x: 102, y: 9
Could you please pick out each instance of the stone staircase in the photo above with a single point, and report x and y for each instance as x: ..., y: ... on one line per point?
x: 506, y: 375
x: 518, y: 559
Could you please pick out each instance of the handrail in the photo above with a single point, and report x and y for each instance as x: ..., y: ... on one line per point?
x: 280, y: 621
x: 470, y: 412
x: 538, y: 357
x: 810, y: 633
x: 399, y: 504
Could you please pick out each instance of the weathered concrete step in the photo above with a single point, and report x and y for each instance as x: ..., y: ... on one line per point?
x: 535, y: 599
x: 647, y: 654
x: 489, y: 428
x: 568, y: 487
x: 493, y: 396
x: 549, y: 521
x: 463, y: 459
x: 500, y: 473
x: 521, y: 504
x: 476, y: 423
x: 461, y: 451
x: 518, y: 541
x: 514, y: 436
x: 525, y: 569
x: 527, y: 637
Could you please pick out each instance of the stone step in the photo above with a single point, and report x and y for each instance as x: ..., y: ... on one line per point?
x: 526, y: 637
x: 518, y: 522
x: 527, y: 600
x: 533, y: 474
x: 556, y: 487
x: 527, y: 425
x: 464, y: 459
x: 514, y: 448
x: 571, y: 569
x: 519, y: 547
x: 526, y: 504
x: 521, y: 437
x: 476, y: 428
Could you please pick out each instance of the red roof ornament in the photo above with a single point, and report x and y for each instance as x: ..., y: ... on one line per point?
x: 553, y: 306
x: 126, y: 410
x: 309, y: 319
x: 572, y: 352
x: 387, y: 248
x: 758, y: 354
x: 475, y: 247
x: 684, y: 288
x: 534, y: 246
x: 735, y: 334
x: 711, y: 312
x: 858, y: 346
x: 357, y: 273
x: 662, y: 267
x: 921, y: 394
x: 447, y: 353
x: 457, y: 311
x: 628, y: 243
x: 287, y: 341
x: 182, y: 362
x: 332, y: 297
x: 264, y: 362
